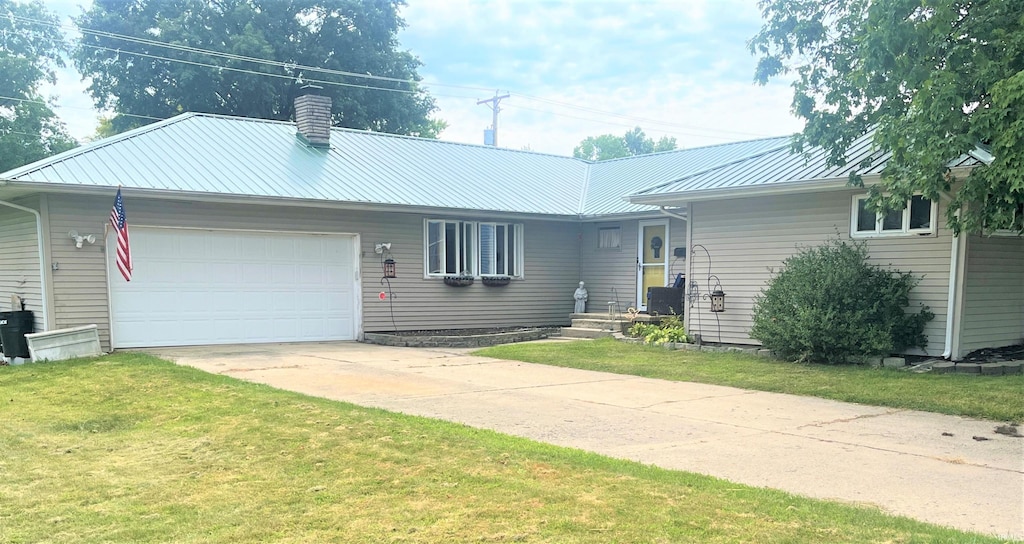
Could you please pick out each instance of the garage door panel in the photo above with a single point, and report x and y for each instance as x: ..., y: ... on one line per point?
x: 225, y: 248
x: 211, y: 287
x: 283, y: 273
x: 221, y: 269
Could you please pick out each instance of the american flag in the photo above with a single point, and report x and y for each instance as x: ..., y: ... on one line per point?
x: 120, y: 224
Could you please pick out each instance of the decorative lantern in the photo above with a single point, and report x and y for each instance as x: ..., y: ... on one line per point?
x: 718, y: 300
x: 389, y: 268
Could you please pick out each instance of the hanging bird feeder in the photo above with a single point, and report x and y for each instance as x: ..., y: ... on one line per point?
x: 718, y: 300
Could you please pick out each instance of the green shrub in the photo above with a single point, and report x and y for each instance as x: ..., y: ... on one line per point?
x: 669, y: 330
x: 828, y: 304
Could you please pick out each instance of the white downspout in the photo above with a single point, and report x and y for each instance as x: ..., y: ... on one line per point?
x: 951, y: 300
x: 42, y: 260
x: 954, y: 280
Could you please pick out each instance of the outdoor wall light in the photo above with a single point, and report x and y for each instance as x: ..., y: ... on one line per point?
x: 80, y: 239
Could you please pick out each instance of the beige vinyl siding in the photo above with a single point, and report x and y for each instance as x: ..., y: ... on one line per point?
x: 611, y: 274
x: 542, y: 297
x: 993, y: 314
x: 19, y: 260
x: 79, y: 278
x: 749, y: 237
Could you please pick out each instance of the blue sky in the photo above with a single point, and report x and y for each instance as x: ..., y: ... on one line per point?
x: 677, y: 68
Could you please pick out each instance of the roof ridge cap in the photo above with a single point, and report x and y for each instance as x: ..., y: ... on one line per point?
x: 723, y: 144
x: 448, y: 142
x: 585, y: 190
x: 389, y: 135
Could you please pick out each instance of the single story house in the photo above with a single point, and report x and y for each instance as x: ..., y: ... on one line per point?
x: 246, y: 230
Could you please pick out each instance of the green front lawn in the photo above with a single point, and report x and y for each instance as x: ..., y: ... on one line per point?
x: 999, y: 398
x: 128, y: 448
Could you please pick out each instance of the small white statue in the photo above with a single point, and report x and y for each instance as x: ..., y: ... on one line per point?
x: 581, y: 299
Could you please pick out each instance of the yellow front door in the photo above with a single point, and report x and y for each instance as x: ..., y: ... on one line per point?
x: 652, y: 259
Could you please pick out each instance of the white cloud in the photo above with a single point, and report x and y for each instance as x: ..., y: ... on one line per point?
x: 682, y: 63
x: 674, y: 68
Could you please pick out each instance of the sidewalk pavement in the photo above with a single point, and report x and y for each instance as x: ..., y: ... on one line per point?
x: 917, y: 464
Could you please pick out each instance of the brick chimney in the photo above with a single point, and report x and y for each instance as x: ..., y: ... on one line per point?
x: 313, y: 117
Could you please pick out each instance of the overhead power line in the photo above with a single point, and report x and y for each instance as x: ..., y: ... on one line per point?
x: 688, y: 129
x: 77, y: 108
x: 245, y: 71
x: 233, y: 56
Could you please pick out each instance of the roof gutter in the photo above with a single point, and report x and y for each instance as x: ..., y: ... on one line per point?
x: 42, y: 258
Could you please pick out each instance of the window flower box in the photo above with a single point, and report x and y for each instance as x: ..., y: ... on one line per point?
x: 496, y: 281
x: 458, y: 281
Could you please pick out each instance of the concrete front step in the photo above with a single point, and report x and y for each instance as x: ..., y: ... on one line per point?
x: 584, y: 332
x: 603, y: 324
x: 593, y: 315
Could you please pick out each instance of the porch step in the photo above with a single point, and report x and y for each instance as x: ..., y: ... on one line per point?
x: 584, y: 332
x: 603, y: 324
x: 590, y: 315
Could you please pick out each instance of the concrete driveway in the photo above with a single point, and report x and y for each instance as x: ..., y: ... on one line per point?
x: 917, y: 464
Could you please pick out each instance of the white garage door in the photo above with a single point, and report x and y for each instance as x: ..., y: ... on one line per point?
x: 196, y: 287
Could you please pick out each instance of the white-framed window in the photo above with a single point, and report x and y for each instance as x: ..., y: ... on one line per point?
x: 609, y: 238
x: 918, y: 217
x: 453, y: 247
x: 450, y: 247
x: 501, y: 249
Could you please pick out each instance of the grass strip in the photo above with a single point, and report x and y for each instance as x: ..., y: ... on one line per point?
x: 999, y: 398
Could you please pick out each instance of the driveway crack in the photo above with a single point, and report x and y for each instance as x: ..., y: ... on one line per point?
x: 849, y: 419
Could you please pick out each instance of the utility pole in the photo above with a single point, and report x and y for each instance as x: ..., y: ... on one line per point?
x: 495, y: 108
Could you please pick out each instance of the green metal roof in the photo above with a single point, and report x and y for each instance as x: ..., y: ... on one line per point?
x: 218, y: 155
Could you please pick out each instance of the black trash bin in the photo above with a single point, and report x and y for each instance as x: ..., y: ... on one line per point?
x: 13, y: 328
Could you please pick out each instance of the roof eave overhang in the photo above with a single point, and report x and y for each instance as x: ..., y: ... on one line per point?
x: 625, y: 216
x: 782, y: 188
x: 25, y: 188
x: 789, y: 187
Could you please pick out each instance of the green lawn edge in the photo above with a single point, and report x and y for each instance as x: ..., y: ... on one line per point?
x: 130, y: 448
x: 998, y: 398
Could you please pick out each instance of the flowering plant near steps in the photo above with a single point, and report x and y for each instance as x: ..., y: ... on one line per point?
x: 669, y: 330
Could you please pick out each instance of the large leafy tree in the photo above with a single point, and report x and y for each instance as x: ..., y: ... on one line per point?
x: 934, y: 79
x: 30, y: 48
x: 610, y: 146
x: 145, y: 77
